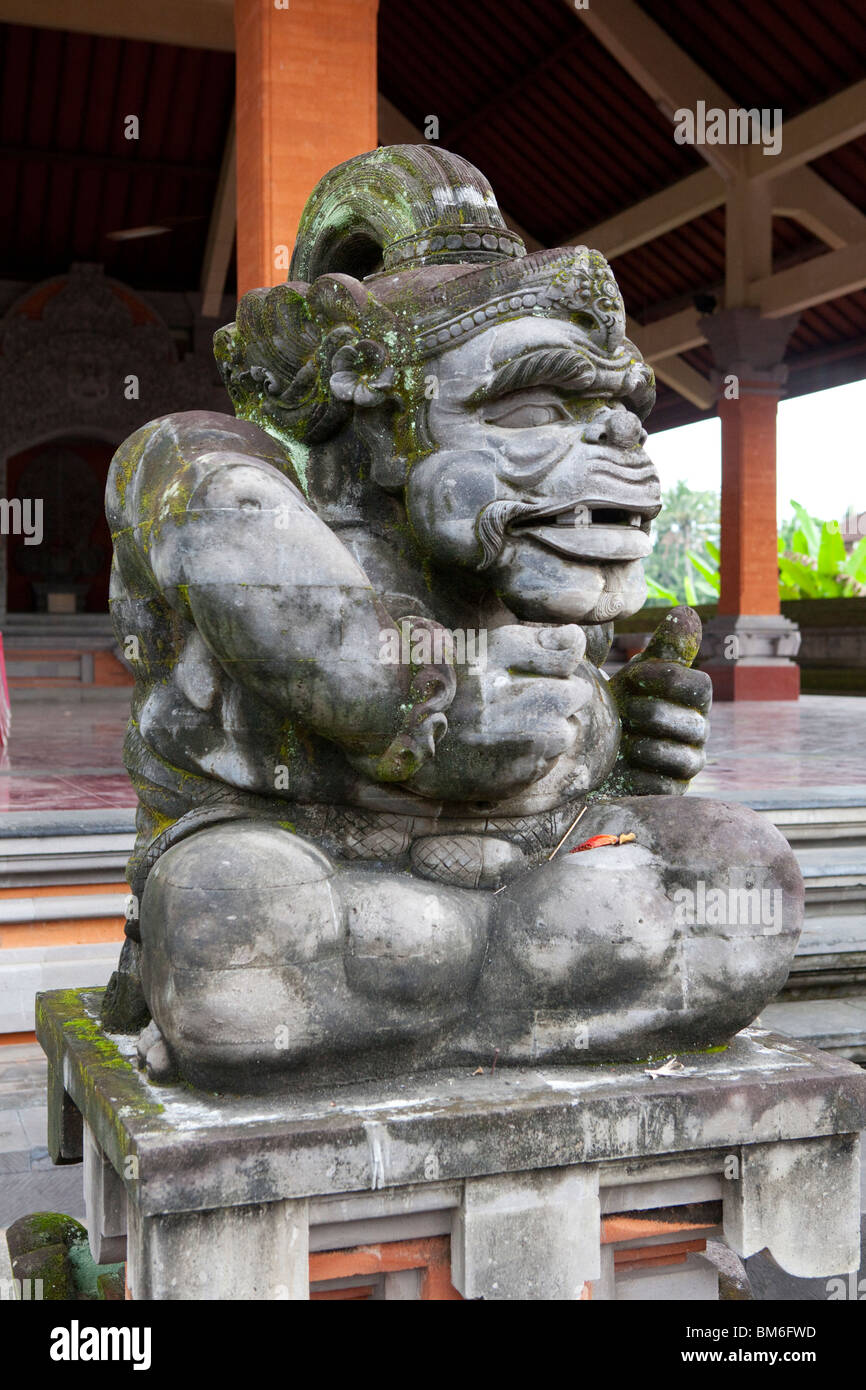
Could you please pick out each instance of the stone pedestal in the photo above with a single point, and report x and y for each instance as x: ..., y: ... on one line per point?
x: 751, y: 658
x: 566, y: 1184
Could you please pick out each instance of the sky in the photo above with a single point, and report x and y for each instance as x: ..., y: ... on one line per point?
x: 820, y: 453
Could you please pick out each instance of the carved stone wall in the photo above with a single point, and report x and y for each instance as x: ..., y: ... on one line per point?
x: 85, y: 356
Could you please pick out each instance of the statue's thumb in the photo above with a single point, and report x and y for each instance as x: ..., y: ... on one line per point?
x: 677, y: 638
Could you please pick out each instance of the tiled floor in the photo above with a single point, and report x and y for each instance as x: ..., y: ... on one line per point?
x: 28, y: 1179
x: 816, y: 741
x: 65, y: 757
x: 69, y: 757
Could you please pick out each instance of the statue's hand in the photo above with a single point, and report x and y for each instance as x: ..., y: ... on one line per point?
x: 512, y: 720
x: 663, y: 706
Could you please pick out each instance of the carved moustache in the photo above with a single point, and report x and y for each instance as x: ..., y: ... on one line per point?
x: 493, y: 521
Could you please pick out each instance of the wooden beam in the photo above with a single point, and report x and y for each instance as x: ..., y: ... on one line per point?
x: 190, y: 23
x: 800, y: 195
x: 667, y: 337
x: 748, y: 239
x: 817, y: 131
x: 221, y: 232
x: 208, y: 24
x: 660, y: 342
x: 658, y: 65
x: 812, y: 282
x: 662, y: 212
x: 816, y: 205
x: 683, y: 379
x: 787, y: 292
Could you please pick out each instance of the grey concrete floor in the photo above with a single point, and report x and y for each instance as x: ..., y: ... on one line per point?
x: 29, y: 1180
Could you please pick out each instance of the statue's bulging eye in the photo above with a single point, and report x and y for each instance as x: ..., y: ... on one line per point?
x: 528, y: 416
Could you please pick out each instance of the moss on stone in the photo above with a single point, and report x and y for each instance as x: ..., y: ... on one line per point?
x: 51, y: 1268
x: 43, y: 1228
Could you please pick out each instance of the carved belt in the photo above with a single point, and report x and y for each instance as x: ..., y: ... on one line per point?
x: 479, y: 853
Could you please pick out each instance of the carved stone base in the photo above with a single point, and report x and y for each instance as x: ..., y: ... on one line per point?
x: 560, y: 1183
x: 750, y: 658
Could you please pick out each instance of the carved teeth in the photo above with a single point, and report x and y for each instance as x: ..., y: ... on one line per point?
x: 582, y: 516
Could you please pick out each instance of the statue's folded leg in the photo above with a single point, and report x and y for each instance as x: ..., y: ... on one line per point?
x: 671, y: 942
x: 260, y: 956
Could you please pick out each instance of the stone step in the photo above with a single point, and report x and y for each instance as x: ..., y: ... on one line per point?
x: 826, y: 828
x: 812, y: 817
x: 824, y: 998
x: 836, y: 1025
x: 835, y: 880
x: 54, y: 666
x: 39, y: 848
x: 830, y: 959
x: 55, y: 629
x: 825, y: 939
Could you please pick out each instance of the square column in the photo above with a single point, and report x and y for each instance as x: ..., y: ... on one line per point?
x: 306, y: 100
x: 748, y: 648
x: 528, y: 1235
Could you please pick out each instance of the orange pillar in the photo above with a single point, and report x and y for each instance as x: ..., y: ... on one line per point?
x: 306, y: 100
x: 748, y: 648
x: 749, y: 569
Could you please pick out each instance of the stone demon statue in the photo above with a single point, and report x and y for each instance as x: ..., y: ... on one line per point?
x: 353, y: 853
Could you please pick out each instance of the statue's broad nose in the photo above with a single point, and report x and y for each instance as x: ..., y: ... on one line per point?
x: 618, y: 427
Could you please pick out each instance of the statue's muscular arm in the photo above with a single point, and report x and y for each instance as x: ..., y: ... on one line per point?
x: 233, y: 546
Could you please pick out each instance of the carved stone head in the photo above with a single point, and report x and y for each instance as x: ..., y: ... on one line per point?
x: 417, y: 350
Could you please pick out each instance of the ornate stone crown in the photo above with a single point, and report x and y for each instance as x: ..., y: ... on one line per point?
x: 400, y: 253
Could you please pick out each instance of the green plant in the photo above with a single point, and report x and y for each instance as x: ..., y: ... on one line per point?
x: 688, y: 522
x: 813, y: 563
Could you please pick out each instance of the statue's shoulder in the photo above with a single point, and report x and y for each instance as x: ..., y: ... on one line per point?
x: 167, y: 458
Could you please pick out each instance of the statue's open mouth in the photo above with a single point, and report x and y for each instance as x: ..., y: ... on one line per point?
x: 592, y: 530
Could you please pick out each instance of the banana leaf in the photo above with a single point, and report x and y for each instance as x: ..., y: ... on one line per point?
x: 711, y: 576
x: 831, y: 551
x: 658, y: 591
x: 855, y: 563
x: 808, y: 529
x: 801, y: 577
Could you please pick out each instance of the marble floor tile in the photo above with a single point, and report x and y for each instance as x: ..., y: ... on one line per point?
x: 70, y: 758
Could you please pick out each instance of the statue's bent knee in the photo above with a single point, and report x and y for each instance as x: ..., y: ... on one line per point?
x: 237, y: 923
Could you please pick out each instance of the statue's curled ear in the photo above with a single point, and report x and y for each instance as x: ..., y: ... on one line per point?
x: 307, y: 355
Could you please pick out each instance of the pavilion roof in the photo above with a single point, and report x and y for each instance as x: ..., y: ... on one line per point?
x: 528, y: 90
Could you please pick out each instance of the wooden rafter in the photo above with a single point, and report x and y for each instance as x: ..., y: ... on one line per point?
x: 817, y: 131
x: 190, y: 23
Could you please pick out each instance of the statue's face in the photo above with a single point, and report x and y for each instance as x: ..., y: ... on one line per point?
x: 573, y: 489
